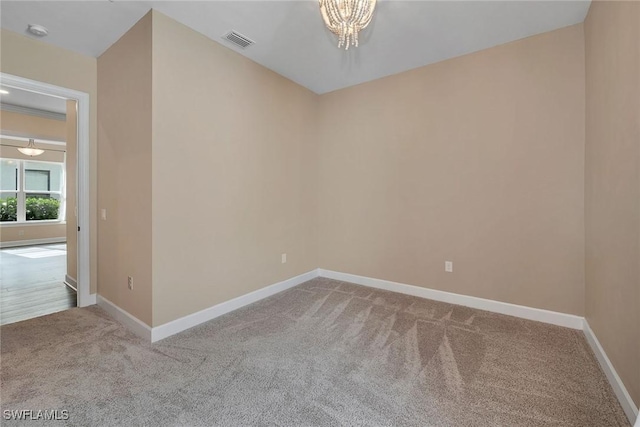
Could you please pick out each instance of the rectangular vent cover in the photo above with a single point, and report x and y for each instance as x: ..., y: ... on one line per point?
x: 238, y: 39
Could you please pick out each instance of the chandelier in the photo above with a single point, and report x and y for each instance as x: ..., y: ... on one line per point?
x: 345, y: 18
x: 30, y: 149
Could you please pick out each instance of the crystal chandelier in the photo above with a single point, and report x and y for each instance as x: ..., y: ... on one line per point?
x: 345, y: 18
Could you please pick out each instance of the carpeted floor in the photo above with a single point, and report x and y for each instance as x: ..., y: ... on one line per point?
x: 324, y: 353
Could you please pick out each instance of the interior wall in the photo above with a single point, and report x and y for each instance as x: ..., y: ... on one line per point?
x: 234, y: 178
x: 29, y: 126
x: 19, y: 235
x: 71, y: 230
x: 124, y: 171
x: 612, y: 205
x: 33, y: 59
x: 477, y: 160
x: 24, y: 125
x: 49, y: 154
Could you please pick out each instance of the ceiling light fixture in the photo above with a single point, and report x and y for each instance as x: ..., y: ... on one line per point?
x: 37, y: 30
x: 31, y: 150
x: 345, y: 18
x: 4, y: 92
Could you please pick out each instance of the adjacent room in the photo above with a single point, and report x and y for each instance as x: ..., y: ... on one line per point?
x: 36, y: 175
x: 319, y: 213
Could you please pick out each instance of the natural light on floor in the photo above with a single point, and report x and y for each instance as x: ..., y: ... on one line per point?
x: 38, y: 252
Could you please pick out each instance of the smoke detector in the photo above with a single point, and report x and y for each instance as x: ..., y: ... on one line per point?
x: 37, y: 30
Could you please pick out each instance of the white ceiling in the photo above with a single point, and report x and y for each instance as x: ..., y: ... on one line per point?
x: 33, y: 100
x: 292, y: 40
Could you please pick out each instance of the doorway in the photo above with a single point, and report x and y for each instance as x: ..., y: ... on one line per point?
x: 44, y: 199
x: 33, y: 282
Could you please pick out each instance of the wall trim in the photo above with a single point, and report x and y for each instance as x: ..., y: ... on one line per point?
x: 158, y: 333
x: 83, y: 187
x: 546, y: 316
x: 191, y: 320
x: 92, y: 299
x: 132, y: 323
x: 39, y: 223
x: 71, y: 282
x: 32, y: 242
x: 616, y: 383
x: 530, y: 313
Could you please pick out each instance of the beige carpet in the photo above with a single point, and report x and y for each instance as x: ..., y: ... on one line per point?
x: 324, y: 353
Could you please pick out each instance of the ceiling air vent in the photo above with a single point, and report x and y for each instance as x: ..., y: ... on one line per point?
x: 238, y: 39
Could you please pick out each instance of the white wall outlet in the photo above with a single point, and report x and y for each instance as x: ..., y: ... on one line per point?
x: 284, y: 258
x: 103, y: 214
x: 448, y: 266
x: 130, y: 283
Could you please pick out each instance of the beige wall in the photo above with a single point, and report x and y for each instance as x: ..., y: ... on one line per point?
x: 234, y: 148
x: 71, y: 172
x: 220, y: 166
x: 477, y: 160
x: 23, y: 125
x: 223, y: 165
x: 612, y: 205
x: 124, y: 171
x: 33, y: 59
x: 28, y: 126
x: 14, y: 233
x: 49, y: 155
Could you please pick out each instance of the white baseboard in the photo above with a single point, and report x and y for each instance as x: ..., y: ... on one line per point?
x: 91, y: 299
x: 540, y: 315
x: 71, y: 282
x: 616, y: 383
x: 143, y: 330
x: 134, y: 324
x: 191, y: 320
x: 561, y: 319
x: 31, y: 242
x: 537, y: 314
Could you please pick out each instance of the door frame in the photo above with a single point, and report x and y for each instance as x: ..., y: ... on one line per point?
x: 83, y: 186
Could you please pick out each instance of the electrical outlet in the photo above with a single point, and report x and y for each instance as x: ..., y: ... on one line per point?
x: 284, y: 258
x: 448, y: 266
x: 130, y: 283
x: 103, y: 214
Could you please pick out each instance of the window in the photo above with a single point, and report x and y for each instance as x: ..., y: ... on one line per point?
x: 31, y: 191
x: 37, y: 179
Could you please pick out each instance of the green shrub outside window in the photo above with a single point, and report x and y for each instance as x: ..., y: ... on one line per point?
x: 37, y: 209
